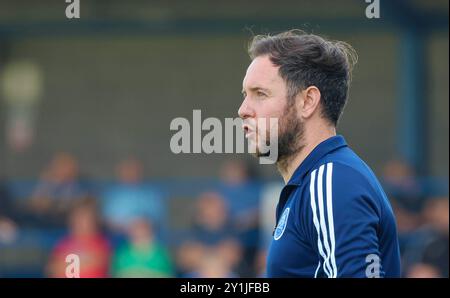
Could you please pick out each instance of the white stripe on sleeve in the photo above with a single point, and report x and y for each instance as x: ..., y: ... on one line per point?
x: 330, y: 215
x: 323, y: 226
x: 316, y: 221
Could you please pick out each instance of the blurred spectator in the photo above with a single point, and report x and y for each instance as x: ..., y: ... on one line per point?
x: 211, y: 222
x: 131, y: 198
x: 421, y: 270
x: 8, y: 230
x: 400, y: 180
x: 59, y: 188
x: 188, y: 257
x: 242, y: 195
x: 211, y: 235
x: 397, y: 171
x: 213, y: 265
x: 425, y: 245
x: 405, y: 194
x: 260, y: 263
x: 408, y: 221
x: 142, y: 256
x: 436, y: 214
x: 85, y: 240
x: 436, y: 251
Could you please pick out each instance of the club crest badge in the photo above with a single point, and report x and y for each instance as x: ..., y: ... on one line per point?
x: 281, y: 224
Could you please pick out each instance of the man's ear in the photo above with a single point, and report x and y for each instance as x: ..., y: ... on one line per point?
x: 311, y: 100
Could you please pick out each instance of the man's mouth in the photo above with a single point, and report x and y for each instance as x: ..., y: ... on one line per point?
x: 248, y: 131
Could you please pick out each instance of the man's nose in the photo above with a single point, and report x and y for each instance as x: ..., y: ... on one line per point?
x: 245, y: 110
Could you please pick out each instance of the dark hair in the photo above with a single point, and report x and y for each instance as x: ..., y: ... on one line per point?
x: 310, y: 60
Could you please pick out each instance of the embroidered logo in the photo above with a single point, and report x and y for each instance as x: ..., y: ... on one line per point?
x: 281, y: 224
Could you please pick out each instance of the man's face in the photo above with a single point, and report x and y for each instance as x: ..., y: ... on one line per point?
x: 265, y: 97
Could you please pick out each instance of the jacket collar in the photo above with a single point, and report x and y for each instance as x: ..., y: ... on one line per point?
x: 318, y: 152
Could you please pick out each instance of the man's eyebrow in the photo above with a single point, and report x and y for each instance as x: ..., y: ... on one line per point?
x: 256, y: 88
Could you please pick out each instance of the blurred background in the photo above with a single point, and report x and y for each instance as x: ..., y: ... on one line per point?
x: 85, y: 109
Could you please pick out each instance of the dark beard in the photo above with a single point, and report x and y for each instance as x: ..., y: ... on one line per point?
x: 290, y: 140
x: 290, y: 137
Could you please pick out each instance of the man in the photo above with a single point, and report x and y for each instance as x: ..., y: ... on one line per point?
x: 333, y: 217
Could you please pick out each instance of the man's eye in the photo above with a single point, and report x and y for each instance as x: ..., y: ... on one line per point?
x: 260, y: 94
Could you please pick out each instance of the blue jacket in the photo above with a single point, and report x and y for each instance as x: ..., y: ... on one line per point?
x: 334, y: 220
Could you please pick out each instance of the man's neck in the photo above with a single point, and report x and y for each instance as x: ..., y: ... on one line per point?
x: 310, y: 142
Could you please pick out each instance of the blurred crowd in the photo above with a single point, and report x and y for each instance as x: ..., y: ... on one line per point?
x: 123, y: 229
x: 423, y: 222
